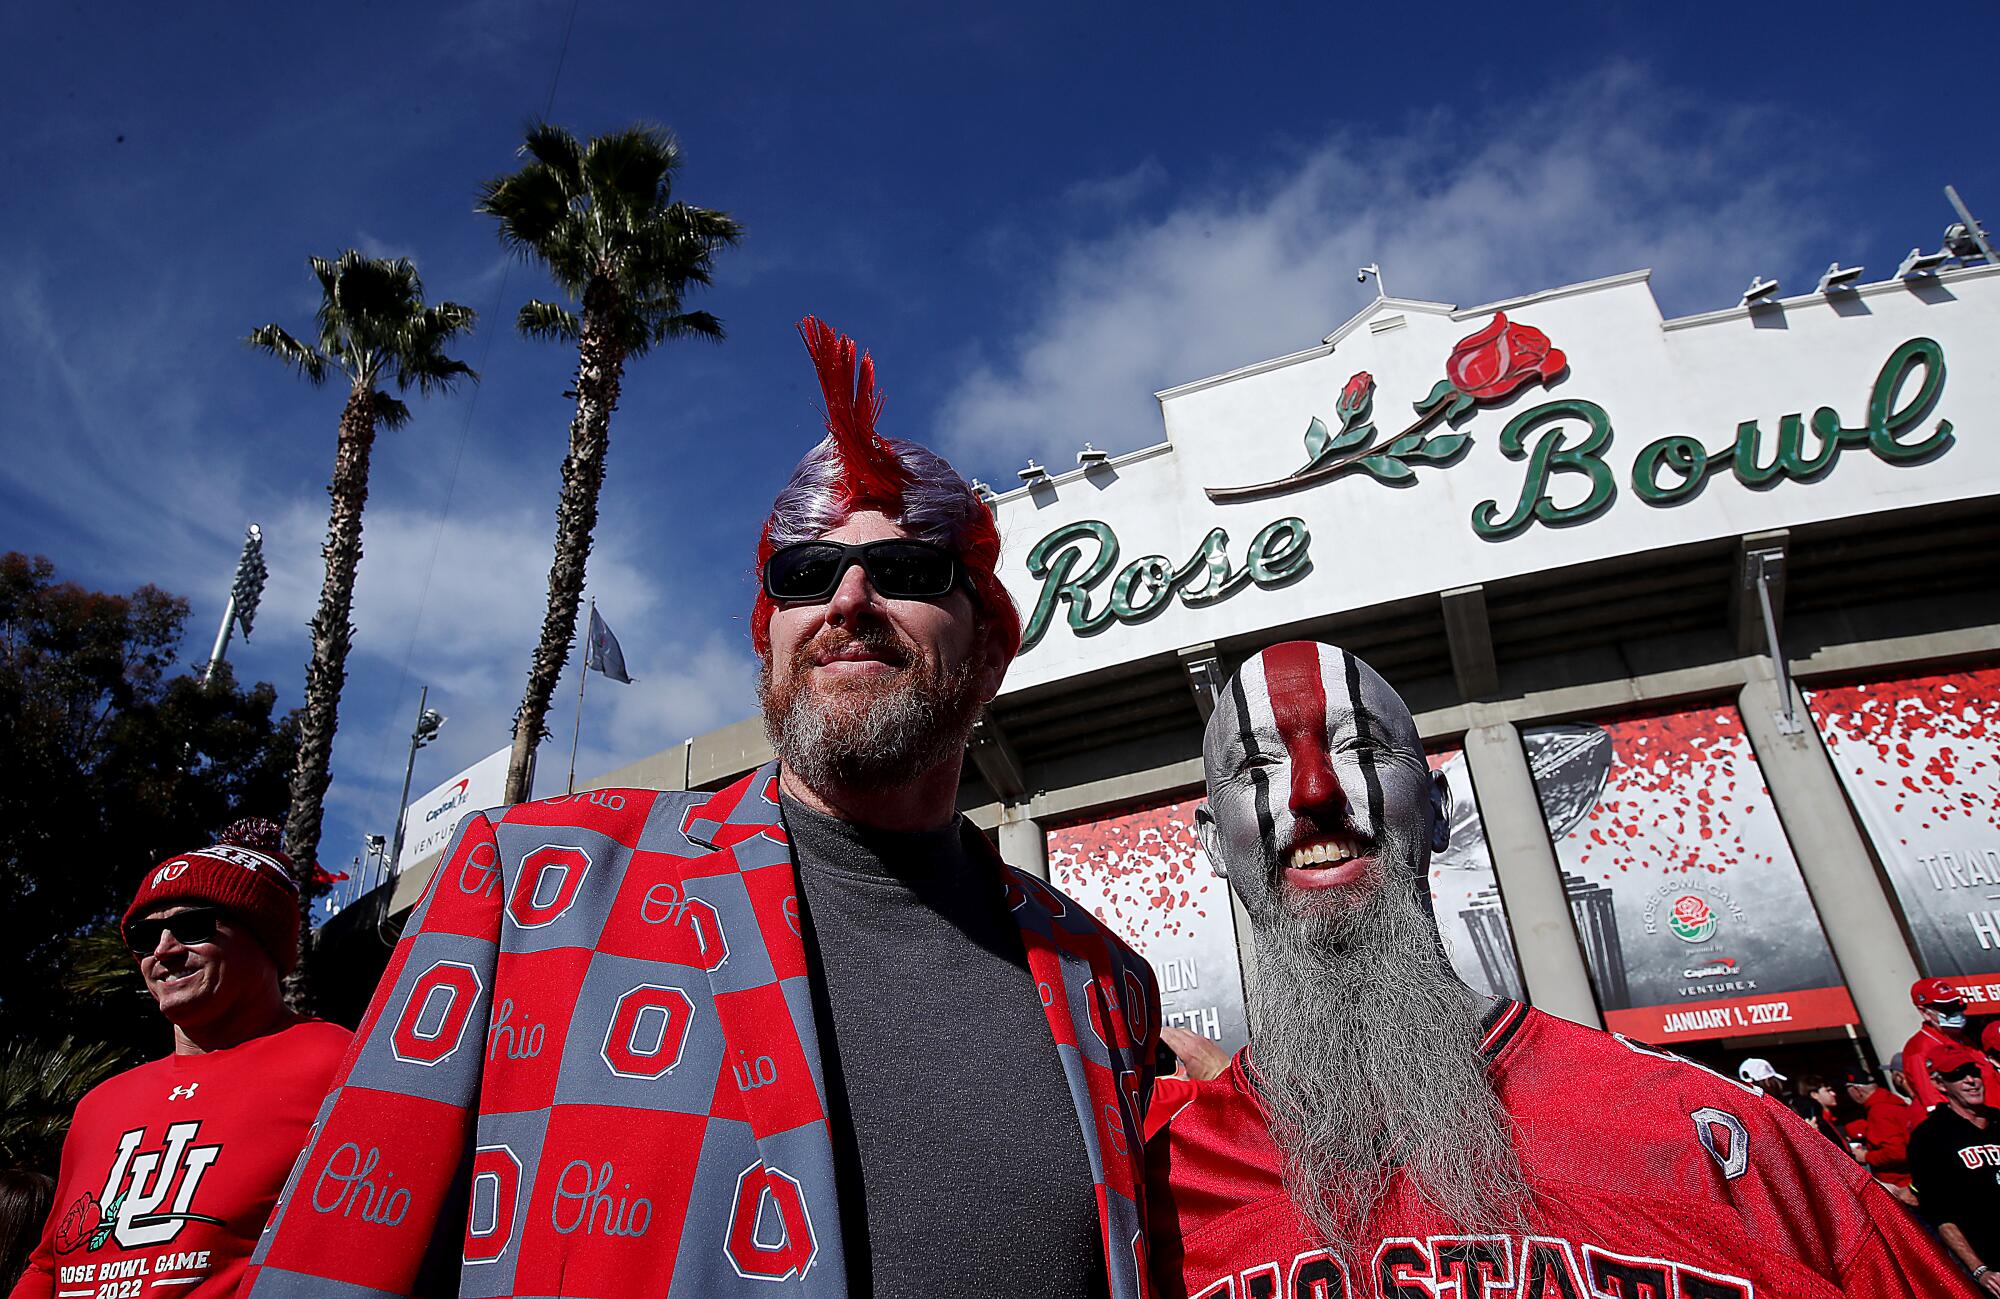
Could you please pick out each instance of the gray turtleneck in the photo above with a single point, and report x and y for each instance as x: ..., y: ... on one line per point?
x: 956, y: 1147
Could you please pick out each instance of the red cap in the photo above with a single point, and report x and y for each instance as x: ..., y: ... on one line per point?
x: 1955, y: 1059
x: 1989, y: 1037
x: 1934, y: 992
x: 256, y: 884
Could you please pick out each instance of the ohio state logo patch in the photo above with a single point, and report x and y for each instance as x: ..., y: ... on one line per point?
x: 770, y: 1229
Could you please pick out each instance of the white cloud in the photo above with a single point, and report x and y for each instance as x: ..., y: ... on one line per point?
x: 1611, y: 175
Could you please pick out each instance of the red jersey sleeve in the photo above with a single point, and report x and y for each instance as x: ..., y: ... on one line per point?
x: 1917, y: 1068
x: 405, y: 1099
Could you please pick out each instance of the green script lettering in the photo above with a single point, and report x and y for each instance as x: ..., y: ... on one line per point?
x: 1277, y: 554
x: 1553, y: 453
x: 1687, y: 464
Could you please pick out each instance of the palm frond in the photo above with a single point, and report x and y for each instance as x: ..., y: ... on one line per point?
x: 533, y: 208
x: 390, y: 413
x: 628, y: 175
x: 419, y: 351
x: 273, y: 339
x: 549, y: 321
x: 557, y: 149
x: 100, y: 967
x: 40, y: 1084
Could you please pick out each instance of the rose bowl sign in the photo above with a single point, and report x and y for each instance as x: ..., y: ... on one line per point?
x: 1527, y: 420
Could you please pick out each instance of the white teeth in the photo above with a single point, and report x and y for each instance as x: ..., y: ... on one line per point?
x: 1326, y: 852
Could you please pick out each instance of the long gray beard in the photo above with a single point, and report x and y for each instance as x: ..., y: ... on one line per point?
x: 1367, y: 1050
x: 871, y: 738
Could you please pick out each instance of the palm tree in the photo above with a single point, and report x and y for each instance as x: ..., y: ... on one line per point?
x: 374, y: 328
x: 601, y: 219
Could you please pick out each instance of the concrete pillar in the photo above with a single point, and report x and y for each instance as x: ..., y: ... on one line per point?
x: 1531, y: 884
x: 1024, y: 845
x: 1854, y: 907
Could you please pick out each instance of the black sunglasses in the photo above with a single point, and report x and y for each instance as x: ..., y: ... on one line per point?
x: 897, y: 567
x: 188, y: 928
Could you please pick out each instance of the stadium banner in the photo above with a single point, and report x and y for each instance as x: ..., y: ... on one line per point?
x: 1694, y: 920
x: 1919, y: 758
x: 1143, y: 873
x: 1465, y: 896
x: 430, y: 821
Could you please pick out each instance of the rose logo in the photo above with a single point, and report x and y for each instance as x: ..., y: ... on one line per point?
x: 1484, y: 367
x: 1692, y: 919
x: 1488, y: 365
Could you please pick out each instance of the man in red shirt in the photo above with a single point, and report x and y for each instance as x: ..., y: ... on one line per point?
x: 1885, y: 1126
x: 1943, y: 1033
x: 170, y: 1169
x: 1389, y: 1132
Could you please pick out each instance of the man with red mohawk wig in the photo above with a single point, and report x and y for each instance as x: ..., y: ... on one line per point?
x: 805, y: 1036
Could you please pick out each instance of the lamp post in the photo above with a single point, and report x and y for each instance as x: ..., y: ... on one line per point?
x: 245, y: 590
x: 429, y: 722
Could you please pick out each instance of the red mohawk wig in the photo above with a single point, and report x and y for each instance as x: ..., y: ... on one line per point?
x: 856, y: 469
x: 874, y: 478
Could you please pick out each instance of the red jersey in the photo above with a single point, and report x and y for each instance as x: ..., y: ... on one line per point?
x: 170, y: 1169
x: 1651, y: 1177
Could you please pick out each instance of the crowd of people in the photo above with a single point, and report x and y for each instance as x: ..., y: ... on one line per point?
x: 1925, y: 1129
x: 809, y: 1031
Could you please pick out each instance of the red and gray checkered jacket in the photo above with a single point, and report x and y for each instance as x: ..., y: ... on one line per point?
x: 592, y: 1069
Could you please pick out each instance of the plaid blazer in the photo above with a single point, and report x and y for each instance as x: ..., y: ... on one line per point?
x: 591, y: 1069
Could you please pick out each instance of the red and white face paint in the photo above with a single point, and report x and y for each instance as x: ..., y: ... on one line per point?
x: 1316, y: 780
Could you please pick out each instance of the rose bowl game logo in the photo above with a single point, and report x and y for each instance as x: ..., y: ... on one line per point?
x: 1692, y: 919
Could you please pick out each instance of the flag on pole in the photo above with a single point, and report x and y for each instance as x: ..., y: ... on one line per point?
x: 604, y: 655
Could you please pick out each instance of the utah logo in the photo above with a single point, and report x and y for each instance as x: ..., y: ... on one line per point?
x: 129, y: 1210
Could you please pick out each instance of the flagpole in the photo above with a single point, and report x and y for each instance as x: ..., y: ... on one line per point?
x: 583, y: 675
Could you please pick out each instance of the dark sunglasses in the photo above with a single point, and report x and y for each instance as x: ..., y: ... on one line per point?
x: 188, y: 928
x: 898, y: 568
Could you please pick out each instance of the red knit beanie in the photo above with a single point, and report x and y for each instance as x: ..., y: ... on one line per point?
x: 245, y: 874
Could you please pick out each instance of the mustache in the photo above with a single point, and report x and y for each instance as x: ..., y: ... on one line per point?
x: 882, y: 642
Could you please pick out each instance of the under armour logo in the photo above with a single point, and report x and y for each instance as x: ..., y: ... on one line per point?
x: 183, y: 1093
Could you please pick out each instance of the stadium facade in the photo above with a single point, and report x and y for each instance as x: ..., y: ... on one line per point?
x: 1698, y: 615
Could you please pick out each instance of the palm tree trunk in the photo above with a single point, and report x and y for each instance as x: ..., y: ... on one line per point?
x: 326, y: 671
x: 599, y: 368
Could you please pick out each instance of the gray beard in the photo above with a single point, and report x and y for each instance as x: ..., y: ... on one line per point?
x: 1367, y: 1054
x: 868, y: 739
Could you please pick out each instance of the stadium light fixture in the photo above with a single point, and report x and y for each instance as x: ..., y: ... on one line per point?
x: 1034, y: 475
x: 1839, y: 279
x: 1761, y: 293
x: 1919, y: 264
x: 1091, y: 458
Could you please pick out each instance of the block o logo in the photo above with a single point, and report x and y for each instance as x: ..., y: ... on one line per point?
x: 547, y: 885
x: 496, y: 1185
x: 435, y: 1014
x: 770, y: 1233
x: 648, y: 1031
x: 1135, y: 1008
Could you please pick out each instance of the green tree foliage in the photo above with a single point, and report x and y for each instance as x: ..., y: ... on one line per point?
x: 602, y: 220
x: 113, y: 760
x: 373, y: 328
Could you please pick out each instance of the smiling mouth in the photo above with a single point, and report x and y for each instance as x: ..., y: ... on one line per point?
x: 1327, y: 861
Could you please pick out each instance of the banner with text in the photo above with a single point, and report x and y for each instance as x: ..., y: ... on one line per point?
x: 430, y: 821
x: 1920, y: 760
x: 1694, y: 920
x: 1465, y: 897
x: 1143, y: 873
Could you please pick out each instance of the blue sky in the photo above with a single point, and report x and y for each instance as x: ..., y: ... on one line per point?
x: 1035, y: 217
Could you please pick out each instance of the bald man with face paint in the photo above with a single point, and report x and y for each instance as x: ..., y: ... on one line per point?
x: 1389, y: 1132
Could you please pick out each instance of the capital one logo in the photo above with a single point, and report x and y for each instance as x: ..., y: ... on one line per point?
x: 648, y: 1031
x: 770, y: 1232
x: 132, y: 1214
x: 432, y: 1025
x: 547, y: 885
